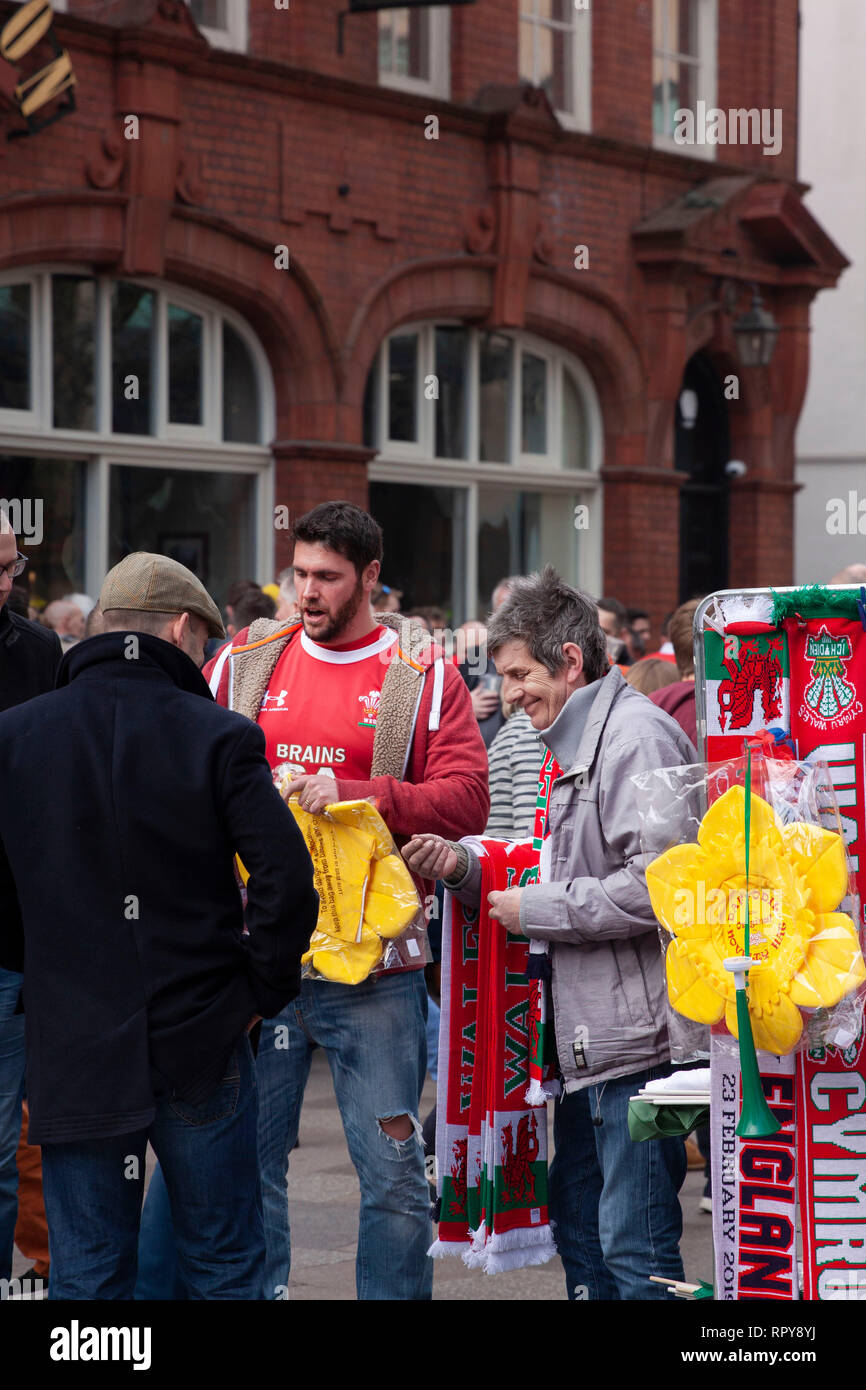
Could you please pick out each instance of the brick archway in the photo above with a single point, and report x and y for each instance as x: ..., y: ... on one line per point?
x: 586, y: 324
x: 282, y: 307
x: 458, y: 287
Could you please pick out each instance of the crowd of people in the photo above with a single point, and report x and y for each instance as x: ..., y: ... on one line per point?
x: 150, y: 1005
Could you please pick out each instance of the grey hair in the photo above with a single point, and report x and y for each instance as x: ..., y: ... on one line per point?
x: 544, y: 613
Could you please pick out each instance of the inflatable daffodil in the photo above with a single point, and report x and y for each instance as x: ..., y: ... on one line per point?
x: 366, y: 893
x: 804, y: 953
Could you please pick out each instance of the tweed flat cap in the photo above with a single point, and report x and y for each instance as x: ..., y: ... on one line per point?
x: 149, y: 583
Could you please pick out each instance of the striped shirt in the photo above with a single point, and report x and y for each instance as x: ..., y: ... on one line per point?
x: 514, y: 759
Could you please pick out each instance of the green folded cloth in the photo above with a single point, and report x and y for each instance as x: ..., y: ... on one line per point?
x: 646, y: 1121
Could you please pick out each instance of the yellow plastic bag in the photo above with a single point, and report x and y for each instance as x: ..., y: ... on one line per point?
x: 367, y: 898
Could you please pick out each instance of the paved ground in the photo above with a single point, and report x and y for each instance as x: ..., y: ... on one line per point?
x: 323, y: 1192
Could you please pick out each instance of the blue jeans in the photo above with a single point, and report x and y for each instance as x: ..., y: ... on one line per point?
x: 373, y: 1035
x: 158, y: 1276
x: 11, y: 1092
x: 615, y: 1202
x: 434, y: 1015
x: 93, y: 1190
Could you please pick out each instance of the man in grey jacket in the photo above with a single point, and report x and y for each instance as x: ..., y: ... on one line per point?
x: 614, y: 1202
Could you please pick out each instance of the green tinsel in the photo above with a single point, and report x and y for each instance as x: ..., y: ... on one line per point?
x: 814, y: 601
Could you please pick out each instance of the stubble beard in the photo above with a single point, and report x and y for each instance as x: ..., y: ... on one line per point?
x: 344, y: 615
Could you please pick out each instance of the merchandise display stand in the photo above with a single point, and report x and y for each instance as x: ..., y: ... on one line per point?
x: 788, y: 667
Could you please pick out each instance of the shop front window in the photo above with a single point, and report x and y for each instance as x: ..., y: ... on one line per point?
x: 44, y: 500
x: 133, y: 417
x: 489, y: 448
x: 73, y: 316
x: 15, y: 370
x: 204, y: 520
x: 425, y: 544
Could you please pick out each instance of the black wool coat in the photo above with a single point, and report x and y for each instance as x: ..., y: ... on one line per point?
x: 29, y: 658
x: 125, y: 794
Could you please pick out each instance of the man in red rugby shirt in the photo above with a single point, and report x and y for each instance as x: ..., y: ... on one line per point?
x: 340, y: 698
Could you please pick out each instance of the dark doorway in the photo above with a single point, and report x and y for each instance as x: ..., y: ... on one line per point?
x: 702, y: 452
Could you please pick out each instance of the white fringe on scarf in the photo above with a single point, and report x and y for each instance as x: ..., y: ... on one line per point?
x: 501, y: 1250
x: 440, y: 1248
x: 500, y: 1261
x: 538, y: 1093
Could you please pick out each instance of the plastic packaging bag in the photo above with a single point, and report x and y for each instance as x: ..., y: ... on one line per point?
x: 370, y: 916
x: 805, y: 985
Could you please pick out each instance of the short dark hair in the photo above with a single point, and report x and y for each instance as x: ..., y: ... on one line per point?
x: 681, y: 634
x: 544, y: 613
x: 252, y: 603
x: 633, y: 614
x: 613, y: 605
x: 239, y: 589
x: 343, y: 527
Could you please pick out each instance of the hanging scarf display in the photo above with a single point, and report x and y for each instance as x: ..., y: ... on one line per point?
x: 831, y: 1143
x: 491, y: 1144
x: 747, y: 689
x: 810, y: 692
x: 827, y: 649
x: 828, y: 724
x: 754, y: 1187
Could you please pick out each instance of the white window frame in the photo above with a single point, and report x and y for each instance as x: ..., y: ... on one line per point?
x: 171, y: 446
x: 211, y: 329
x: 235, y: 35
x: 579, y: 29
x: 422, y: 449
x: 707, y: 80
x: 438, y: 84
x: 29, y: 419
x: 415, y: 462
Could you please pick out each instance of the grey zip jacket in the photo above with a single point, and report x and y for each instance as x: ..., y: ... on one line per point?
x: 610, y: 1009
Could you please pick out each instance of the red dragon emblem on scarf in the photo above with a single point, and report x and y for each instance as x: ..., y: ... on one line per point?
x: 517, y: 1160
x: 458, y: 1177
x: 756, y: 671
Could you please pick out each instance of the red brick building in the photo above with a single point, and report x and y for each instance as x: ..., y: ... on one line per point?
x: 462, y: 272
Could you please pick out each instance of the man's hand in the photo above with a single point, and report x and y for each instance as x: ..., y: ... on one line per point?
x: 430, y: 856
x: 484, y: 702
x: 505, y: 908
x: 314, y: 791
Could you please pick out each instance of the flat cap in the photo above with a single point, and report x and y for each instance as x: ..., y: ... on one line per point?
x: 149, y: 583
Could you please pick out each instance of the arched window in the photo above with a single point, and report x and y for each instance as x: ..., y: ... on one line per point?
x: 137, y: 415
x: 489, y: 445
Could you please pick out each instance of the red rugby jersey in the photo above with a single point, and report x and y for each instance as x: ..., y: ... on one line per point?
x: 319, y: 711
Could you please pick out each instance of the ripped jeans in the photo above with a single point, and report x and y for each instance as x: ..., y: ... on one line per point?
x: 374, y: 1037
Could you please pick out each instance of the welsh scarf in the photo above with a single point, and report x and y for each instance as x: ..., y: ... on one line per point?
x: 813, y: 689
x: 491, y: 1144
x: 827, y: 652
x: 542, y: 1086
